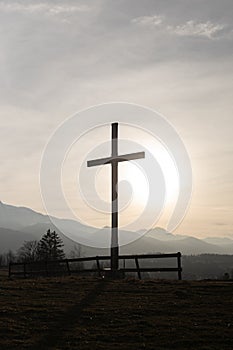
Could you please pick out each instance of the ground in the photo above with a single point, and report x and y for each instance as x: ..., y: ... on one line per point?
x: 92, y: 313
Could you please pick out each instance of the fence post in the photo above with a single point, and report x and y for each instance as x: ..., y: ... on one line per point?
x: 98, y: 266
x: 9, y: 270
x: 68, y: 267
x: 179, y: 266
x: 138, y: 268
x: 24, y: 270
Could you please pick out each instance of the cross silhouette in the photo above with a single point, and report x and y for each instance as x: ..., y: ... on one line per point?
x: 114, y: 159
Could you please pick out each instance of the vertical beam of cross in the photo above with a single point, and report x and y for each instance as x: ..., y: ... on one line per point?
x: 114, y: 160
x: 114, y: 239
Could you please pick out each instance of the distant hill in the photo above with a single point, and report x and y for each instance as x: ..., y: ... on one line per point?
x: 16, y: 218
x: 18, y: 224
x: 12, y: 240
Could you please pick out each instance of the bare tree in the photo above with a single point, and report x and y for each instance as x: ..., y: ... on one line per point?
x: 28, y: 252
x: 10, y: 257
x: 76, y: 252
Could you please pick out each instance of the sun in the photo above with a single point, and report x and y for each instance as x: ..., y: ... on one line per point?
x: 133, y: 185
x: 135, y: 175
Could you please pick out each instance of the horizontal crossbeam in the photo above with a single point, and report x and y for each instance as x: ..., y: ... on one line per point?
x: 109, y: 160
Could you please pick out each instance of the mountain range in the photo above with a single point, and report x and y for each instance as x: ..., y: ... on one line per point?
x: 19, y: 224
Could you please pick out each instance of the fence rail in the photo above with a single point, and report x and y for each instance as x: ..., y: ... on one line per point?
x: 48, y: 268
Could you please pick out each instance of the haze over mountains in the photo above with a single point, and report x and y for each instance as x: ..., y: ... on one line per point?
x: 19, y: 224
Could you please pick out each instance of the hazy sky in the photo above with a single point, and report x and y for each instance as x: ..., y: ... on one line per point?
x: 174, y: 56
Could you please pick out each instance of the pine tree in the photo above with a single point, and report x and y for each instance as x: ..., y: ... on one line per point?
x: 51, y: 247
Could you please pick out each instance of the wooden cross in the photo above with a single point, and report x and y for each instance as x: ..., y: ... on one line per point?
x: 114, y: 159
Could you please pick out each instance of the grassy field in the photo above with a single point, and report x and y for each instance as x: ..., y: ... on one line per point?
x: 91, y: 313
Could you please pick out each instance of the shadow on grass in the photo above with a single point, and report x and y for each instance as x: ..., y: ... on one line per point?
x: 56, y: 335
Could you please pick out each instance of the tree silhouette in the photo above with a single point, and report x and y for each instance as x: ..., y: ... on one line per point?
x: 76, y: 252
x: 10, y: 257
x: 50, y: 247
x: 28, y: 252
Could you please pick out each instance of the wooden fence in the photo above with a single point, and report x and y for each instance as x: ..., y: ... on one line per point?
x: 58, y: 267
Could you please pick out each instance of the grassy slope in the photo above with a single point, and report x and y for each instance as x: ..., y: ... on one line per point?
x: 89, y: 313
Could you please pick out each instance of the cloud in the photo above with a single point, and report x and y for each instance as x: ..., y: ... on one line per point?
x: 153, y: 21
x: 192, y: 28
x: 49, y: 9
x: 115, y: 51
